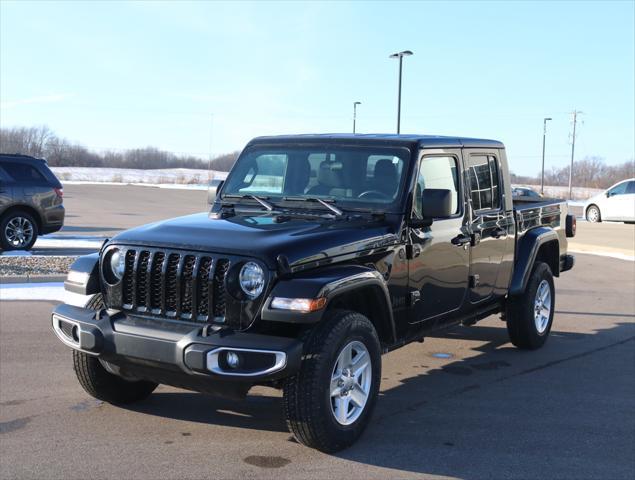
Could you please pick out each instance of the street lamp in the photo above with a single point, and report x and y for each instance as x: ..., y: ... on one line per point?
x: 544, y: 134
x: 355, y: 113
x: 400, y: 56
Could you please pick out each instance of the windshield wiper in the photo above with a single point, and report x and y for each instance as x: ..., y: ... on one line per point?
x: 332, y: 208
x: 261, y: 201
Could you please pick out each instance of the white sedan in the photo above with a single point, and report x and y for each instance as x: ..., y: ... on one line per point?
x: 616, y: 203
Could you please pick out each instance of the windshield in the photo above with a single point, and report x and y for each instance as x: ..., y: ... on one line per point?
x: 351, y: 177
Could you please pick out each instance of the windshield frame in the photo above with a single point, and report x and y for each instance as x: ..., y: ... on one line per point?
x: 407, y: 155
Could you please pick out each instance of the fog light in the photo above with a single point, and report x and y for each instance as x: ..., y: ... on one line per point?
x: 75, y: 333
x: 233, y: 360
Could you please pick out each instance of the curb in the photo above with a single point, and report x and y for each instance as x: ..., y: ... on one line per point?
x: 32, y: 279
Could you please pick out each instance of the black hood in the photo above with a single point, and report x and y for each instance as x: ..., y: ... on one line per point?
x: 301, y: 240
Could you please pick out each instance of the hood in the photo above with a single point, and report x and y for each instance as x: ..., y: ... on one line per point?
x: 300, y: 240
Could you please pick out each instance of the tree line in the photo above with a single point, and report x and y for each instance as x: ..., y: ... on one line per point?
x: 41, y: 142
x: 590, y: 172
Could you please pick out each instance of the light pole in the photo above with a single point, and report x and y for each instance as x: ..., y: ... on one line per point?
x: 400, y: 56
x: 575, y: 114
x: 544, y: 134
x: 355, y: 113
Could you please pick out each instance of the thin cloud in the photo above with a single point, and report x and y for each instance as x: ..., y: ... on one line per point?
x: 59, y: 97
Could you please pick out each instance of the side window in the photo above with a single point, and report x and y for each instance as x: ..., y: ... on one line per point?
x: 631, y: 187
x: 266, y: 175
x: 23, y: 172
x: 437, y: 172
x: 618, y: 189
x: 484, y: 182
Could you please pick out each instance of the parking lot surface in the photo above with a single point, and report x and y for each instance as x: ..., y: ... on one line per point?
x: 105, y: 210
x: 464, y: 404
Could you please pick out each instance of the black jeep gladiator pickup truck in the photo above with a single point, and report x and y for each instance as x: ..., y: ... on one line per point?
x: 319, y: 254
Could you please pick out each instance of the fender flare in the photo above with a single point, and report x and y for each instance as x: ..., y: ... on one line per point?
x: 328, y: 283
x: 83, y: 276
x: 526, y: 254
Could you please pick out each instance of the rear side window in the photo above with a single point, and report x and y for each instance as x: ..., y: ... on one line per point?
x: 23, y: 172
x: 484, y: 182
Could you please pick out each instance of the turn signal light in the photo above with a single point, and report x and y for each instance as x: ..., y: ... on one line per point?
x: 304, y: 305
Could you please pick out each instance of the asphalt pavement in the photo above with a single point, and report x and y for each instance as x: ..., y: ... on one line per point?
x: 104, y: 210
x: 487, y: 411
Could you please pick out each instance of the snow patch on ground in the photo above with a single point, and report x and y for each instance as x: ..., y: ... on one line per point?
x: 69, y: 241
x: 41, y: 291
x: 187, y: 178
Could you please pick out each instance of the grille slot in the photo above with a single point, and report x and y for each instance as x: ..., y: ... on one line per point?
x: 128, y: 279
x: 142, y: 281
x: 175, y: 285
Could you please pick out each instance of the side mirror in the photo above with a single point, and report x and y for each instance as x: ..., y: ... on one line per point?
x: 608, y: 194
x: 213, y: 189
x: 435, y: 203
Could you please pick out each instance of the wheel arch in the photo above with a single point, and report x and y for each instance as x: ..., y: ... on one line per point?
x: 537, y: 245
x: 348, y: 287
x: 24, y: 208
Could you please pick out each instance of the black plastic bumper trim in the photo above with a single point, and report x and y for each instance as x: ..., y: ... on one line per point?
x: 122, y: 339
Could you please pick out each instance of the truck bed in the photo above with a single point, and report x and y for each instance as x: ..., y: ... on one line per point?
x: 546, y: 212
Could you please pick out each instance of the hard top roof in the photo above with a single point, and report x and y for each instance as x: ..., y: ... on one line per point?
x: 423, y: 141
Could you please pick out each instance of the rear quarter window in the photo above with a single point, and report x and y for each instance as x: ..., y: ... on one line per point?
x: 23, y: 172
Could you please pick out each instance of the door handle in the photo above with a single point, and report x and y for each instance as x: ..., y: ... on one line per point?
x: 499, y: 232
x: 461, y: 240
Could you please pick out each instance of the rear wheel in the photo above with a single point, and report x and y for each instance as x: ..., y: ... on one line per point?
x: 99, y: 382
x: 530, y: 315
x: 329, y: 402
x: 593, y: 214
x: 18, y: 231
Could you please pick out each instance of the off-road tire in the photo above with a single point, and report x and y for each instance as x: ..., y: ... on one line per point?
x: 521, y: 322
x: 100, y: 383
x: 593, y: 218
x: 307, y: 396
x: 4, y: 221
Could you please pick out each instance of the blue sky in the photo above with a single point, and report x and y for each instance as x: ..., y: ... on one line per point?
x: 207, y: 76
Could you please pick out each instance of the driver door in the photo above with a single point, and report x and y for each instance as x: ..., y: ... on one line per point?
x: 438, y: 269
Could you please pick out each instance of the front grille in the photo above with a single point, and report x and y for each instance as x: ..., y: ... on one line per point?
x: 184, y: 286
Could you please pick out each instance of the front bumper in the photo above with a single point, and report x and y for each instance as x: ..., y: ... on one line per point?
x: 181, y: 350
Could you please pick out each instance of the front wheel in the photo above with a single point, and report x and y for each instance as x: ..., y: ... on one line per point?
x: 99, y: 382
x: 593, y: 214
x: 530, y: 315
x: 329, y: 402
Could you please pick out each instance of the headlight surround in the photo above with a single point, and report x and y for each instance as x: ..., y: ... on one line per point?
x: 115, y: 266
x: 251, y: 279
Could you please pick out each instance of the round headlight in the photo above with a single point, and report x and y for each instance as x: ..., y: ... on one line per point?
x: 251, y: 279
x: 117, y: 264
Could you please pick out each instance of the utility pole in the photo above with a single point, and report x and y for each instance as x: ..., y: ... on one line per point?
x: 400, y: 56
x: 355, y: 113
x: 211, y: 144
x: 575, y: 114
x: 544, y: 134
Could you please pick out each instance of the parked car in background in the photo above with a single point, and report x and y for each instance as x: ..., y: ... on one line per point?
x: 525, y: 192
x: 614, y: 204
x: 30, y: 201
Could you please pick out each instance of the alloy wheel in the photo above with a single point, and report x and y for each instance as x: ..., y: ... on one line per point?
x: 19, y: 232
x: 351, y: 382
